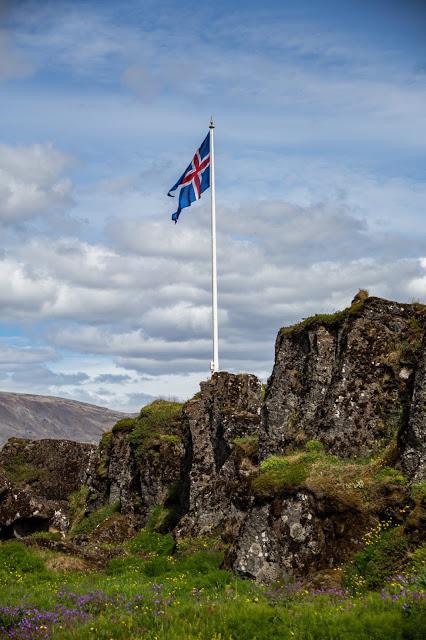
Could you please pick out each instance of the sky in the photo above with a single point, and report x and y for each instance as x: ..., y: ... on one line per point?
x: 320, y: 145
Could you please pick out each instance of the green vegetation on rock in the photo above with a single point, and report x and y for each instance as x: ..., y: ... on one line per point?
x: 89, y: 524
x: 18, y: 469
x: 359, y: 484
x: 326, y: 319
x: 249, y: 445
x: 158, y: 421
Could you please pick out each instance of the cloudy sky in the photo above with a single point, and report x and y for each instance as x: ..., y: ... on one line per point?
x: 321, y: 182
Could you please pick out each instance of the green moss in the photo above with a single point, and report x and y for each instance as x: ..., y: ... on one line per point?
x: 47, y: 535
x: 327, y: 319
x: 125, y: 424
x: 104, y: 454
x: 77, y: 504
x: 314, y: 446
x: 249, y: 445
x: 359, y: 484
x: 389, y: 475
x: 279, y: 472
x: 21, y: 472
x: 160, y: 418
x: 170, y: 437
x: 418, y: 491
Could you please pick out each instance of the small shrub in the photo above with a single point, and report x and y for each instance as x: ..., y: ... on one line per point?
x: 314, y: 446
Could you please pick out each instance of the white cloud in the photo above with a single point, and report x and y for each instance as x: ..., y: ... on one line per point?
x: 31, y: 182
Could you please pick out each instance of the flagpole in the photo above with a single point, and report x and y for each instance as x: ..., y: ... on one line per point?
x: 215, y: 362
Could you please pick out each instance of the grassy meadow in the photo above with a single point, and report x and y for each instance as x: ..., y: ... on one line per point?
x: 157, y: 591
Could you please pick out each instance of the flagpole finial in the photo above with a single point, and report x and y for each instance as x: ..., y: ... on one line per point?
x: 211, y: 125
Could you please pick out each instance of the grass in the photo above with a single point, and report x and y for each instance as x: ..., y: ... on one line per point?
x: 151, y: 542
x: 21, y: 472
x: 77, y: 502
x: 150, y: 594
x: 88, y: 525
x: 418, y: 491
x: 385, y: 553
x: 249, y: 445
x: 327, y: 319
x: 158, y: 421
x: 360, y: 484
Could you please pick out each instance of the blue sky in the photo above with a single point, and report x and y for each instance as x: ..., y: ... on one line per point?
x: 321, y: 182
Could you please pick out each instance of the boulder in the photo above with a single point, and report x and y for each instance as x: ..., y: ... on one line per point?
x: 344, y: 379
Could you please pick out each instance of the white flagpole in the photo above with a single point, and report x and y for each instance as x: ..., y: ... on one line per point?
x: 215, y: 362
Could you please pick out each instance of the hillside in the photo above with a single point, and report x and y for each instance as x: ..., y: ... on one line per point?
x: 35, y: 417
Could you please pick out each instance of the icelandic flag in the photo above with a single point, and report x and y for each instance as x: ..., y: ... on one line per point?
x: 194, y: 180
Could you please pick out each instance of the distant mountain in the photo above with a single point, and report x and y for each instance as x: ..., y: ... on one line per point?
x: 36, y: 417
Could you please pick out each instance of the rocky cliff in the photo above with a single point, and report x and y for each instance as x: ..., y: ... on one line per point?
x: 290, y: 481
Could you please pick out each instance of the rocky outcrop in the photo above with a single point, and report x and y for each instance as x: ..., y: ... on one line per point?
x: 346, y: 379
x: 227, y: 410
x: 36, y: 480
x: 275, y: 478
x: 293, y: 535
x: 140, y: 463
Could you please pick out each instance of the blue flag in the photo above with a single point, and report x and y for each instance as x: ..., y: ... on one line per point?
x: 194, y: 180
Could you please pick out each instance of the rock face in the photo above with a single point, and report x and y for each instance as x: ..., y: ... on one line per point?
x: 140, y: 462
x: 228, y: 409
x: 345, y: 380
x: 291, y: 535
x: 413, y: 438
x: 36, y: 479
